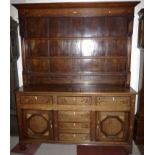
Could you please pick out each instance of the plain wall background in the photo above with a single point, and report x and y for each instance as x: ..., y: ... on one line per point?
x: 135, y: 54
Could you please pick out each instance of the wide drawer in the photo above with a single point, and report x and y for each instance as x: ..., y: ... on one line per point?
x: 112, y: 99
x: 74, y: 137
x: 74, y: 100
x: 36, y: 100
x: 74, y: 127
x: 73, y: 116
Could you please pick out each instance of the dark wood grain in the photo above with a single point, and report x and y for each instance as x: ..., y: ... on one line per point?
x: 76, y: 73
x: 76, y: 5
x: 76, y: 45
x: 76, y: 88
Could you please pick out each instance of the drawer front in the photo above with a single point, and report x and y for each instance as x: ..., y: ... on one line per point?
x: 115, y: 99
x: 36, y: 100
x: 73, y: 116
x: 74, y: 127
x: 74, y: 100
x: 74, y: 137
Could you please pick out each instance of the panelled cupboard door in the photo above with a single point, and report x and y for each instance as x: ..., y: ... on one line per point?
x: 37, y: 124
x: 112, y: 126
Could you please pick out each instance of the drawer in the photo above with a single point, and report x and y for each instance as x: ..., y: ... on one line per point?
x: 36, y: 100
x: 73, y: 116
x: 74, y: 137
x: 112, y: 99
x: 74, y: 127
x: 74, y: 100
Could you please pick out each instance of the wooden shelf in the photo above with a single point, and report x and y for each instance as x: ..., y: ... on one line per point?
x: 80, y: 57
x: 79, y: 73
x: 74, y: 38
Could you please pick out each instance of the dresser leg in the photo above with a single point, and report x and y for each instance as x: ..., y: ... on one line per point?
x: 26, y: 148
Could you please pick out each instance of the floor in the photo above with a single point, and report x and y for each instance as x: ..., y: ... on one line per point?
x: 54, y: 149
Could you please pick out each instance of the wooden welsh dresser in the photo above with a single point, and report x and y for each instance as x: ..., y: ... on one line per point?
x: 76, y: 73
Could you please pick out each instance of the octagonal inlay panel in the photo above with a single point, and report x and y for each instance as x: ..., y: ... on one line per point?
x: 38, y: 123
x: 111, y: 126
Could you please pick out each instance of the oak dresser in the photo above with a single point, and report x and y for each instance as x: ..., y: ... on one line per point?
x: 76, y: 73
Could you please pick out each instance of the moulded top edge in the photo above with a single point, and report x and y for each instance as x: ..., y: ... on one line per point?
x: 75, y: 5
x: 82, y: 89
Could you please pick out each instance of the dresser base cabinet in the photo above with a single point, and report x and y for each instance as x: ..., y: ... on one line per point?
x: 103, y: 117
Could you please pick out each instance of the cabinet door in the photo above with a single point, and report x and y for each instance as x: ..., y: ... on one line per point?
x: 112, y: 126
x: 37, y: 124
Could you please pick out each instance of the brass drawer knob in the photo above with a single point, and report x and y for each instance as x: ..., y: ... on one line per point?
x: 75, y: 12
x: 36, y: 98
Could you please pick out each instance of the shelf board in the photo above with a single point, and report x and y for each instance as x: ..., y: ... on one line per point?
x: 80, y: 57
x: 78, y: 73
x: 81, y: 38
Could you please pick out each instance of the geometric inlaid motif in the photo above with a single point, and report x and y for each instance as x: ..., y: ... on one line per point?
x: 37, y: 123
x: 111, y: 126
